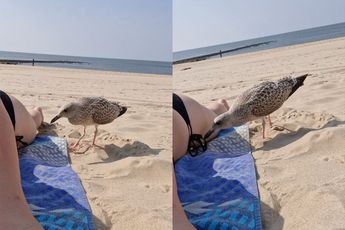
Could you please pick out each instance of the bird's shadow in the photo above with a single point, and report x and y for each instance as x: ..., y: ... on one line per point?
x: 284, y: 139
x: 271, y: 219
x: 99, y: 225
x: 135, y: 149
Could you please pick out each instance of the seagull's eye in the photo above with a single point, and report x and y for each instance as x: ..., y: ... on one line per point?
x: 65, y: 110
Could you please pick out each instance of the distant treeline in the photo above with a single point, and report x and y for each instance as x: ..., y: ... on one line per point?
x: 220, y: 53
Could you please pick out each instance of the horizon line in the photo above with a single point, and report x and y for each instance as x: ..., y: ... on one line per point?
x: 247, y: 39
x: 68, y: 55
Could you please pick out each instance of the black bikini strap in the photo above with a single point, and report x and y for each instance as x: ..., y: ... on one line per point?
x: 195, y: 140
x: 194, y: 143
x: 179, y: 106
x: 6, y: 100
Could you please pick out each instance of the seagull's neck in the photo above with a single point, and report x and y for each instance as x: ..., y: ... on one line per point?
x: 233, y: 119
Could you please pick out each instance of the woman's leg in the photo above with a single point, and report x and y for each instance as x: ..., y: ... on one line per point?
x: 14, y: 210
x: 27, y: 122
x: 180, y: 221
x: 37, y: 115
x: 180, y: 136
x: 201, y: 118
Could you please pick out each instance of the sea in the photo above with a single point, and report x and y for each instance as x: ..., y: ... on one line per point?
x: 107, y: 64
x: 263, y: 43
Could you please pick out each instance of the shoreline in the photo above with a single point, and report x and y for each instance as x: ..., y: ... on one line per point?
x: 66, y: 69
x: 87, y: 63
x: 220, y: 53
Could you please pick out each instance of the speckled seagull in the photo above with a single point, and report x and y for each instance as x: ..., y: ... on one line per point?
x: 90, y: 111
x: 255, y: 103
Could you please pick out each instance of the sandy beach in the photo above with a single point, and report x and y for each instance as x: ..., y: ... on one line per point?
x: 301, y: 164
x: 128, y: 178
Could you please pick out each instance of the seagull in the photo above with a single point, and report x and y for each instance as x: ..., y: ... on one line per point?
x: 90, y: 111
x: 255, y: 103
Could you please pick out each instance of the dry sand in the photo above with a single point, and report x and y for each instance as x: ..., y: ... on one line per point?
x: 127, y: 179
x: 301, y: 165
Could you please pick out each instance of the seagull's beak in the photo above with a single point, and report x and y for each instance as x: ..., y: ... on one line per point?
x: 55, y: 119
x: 212, y: 133
x: 123, y: 110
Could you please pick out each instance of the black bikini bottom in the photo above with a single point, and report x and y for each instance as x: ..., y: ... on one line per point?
x: 6, y: 100
x: 195, y: 140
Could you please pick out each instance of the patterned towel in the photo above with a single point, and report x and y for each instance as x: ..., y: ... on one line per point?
x: 52, y: 189
x: 218, y: 188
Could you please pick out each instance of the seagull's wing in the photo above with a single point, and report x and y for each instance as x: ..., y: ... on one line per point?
x: 269, y: 98
x: 260, y: 100
x: 86, y: 101
x: 104, y: 111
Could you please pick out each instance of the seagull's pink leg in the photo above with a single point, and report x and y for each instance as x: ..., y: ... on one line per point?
x: 76, y: 144
x: 94, y: 137
x: 263, y: 127
x: 269, y: 121
x: 93, y: 141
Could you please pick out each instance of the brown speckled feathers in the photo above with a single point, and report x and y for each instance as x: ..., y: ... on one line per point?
x: 93, y: 111
x: 265, y: 98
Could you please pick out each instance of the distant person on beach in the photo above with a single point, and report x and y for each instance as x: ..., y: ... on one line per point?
x: 25, y: 122
x: 33, y: 62
x: 15, y: 212
x: 189, y: 119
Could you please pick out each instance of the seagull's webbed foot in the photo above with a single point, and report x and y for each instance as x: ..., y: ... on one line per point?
x: 75, y: 146
x: 84, y: 150
x: 98, y: 146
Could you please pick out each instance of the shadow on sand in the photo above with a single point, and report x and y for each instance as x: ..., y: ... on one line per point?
x: 270, y: 218
x: 99, y: 225
x: 284, y: 139
x: 135, y: 149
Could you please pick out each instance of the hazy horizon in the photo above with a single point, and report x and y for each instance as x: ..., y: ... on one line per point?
x: 199, y: 24
x: 82, y: 56
x: 261, y: 37
x: 123, y: 29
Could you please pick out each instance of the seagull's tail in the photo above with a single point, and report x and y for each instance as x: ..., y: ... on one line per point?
x: 298, y: 83
x: 123, y: 110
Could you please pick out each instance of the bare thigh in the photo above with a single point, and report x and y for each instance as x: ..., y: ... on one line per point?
x: 25, y: 125
x: 201, y: 121
x: 15, y: 212
x: 180, y: 136
x: 201, y: 117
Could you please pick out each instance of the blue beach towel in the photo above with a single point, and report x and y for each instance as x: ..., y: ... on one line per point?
x: 52, y: 189
x: 218, y: 188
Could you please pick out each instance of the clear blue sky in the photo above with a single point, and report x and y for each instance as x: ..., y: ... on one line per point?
x: 200, y: 23
x: 129, y: 29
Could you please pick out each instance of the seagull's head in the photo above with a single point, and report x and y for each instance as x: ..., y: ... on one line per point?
x: 223, y: 121
x: 67, y: 111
